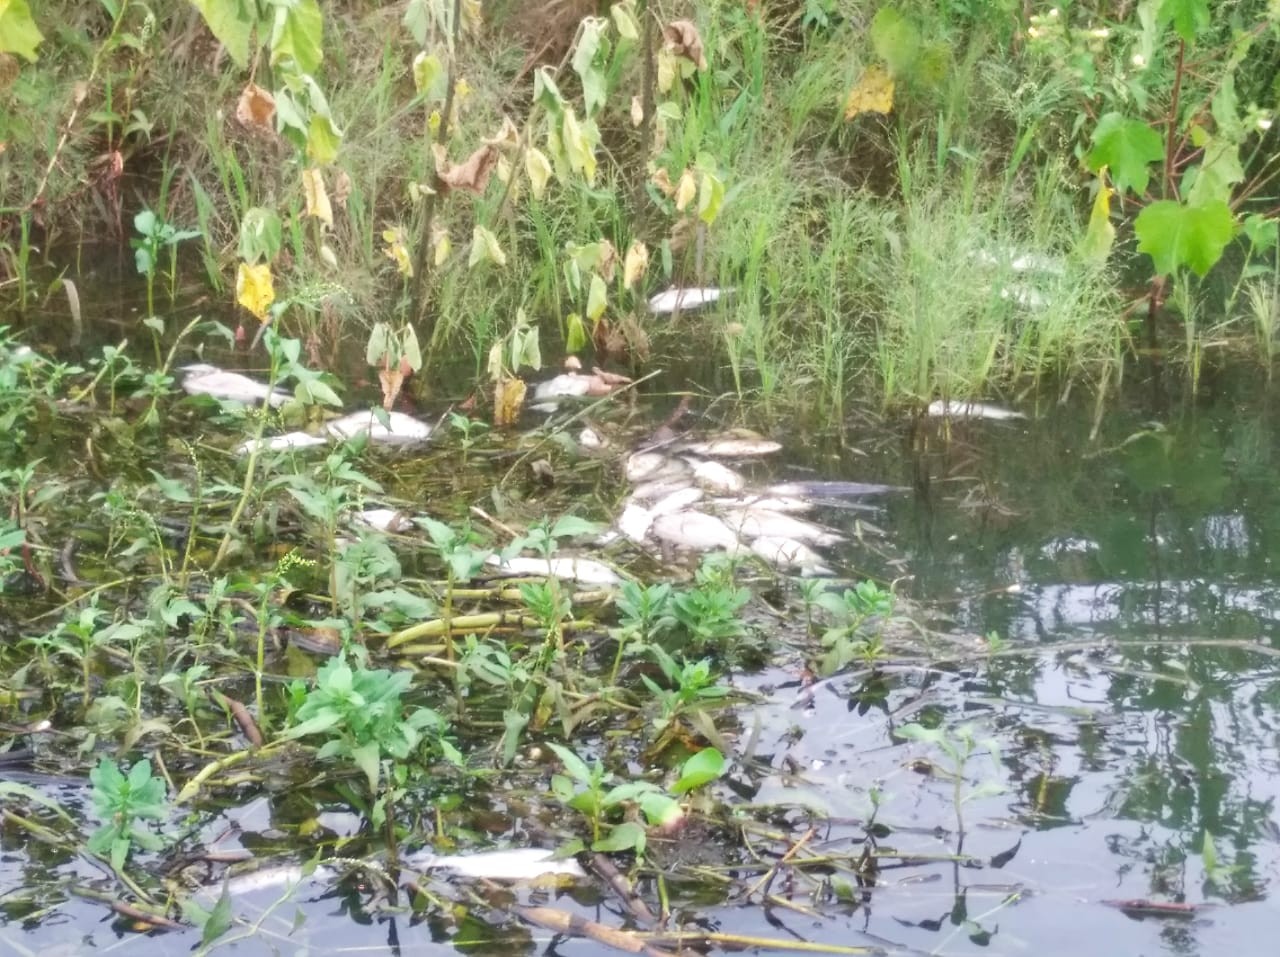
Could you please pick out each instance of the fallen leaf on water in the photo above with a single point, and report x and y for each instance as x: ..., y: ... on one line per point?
x: 473, y: 174
x: 256, y: 108
x: 508, y: 399
x: 873, y: 93
x: 684, y: 40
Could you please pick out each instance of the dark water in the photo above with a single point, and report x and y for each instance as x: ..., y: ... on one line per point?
x: 1128, y: 718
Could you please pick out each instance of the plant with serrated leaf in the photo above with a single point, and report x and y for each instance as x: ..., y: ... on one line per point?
x: 124, y: 802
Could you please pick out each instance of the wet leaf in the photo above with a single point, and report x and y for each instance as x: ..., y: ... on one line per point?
x: 485, y: 248
x: 254, y: 288
x: 317, y: 196
x: 1127, y: 147
x: 873, y: 93
x: 683, y: 39
x: 508, y: 400
x: 1176, y: 234
x: 472, y: 175
x: 256, y: 108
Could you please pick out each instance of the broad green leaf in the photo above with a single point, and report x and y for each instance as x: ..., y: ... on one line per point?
x: 702, y: 768
x: 896, y: 40
x: 411, y: 352
x: 1174, y: 234
x: 589, y: 59
x: 298, y: 35
x: 1101, y: 233
x: 1263, y: 233
x: 323, y: 140
x: 659, y: 809
x: 575, y: 334
x: 379, y: 344
x: 710, y: 196
x: 624, y: 19
x: 218, y: 921
x: 545, y: 92
x: 261, y: 235
x: 918, y: 732
x: 627, y: 836
x: 1188, y: 17
x: 576, y: 767
x: 597, y: 298
x: 232, y: 22
x: 1126, y: 147
x: 1214, y: 178
x: 429, y: 76
x: 368, y: 758
x: 417, y: 19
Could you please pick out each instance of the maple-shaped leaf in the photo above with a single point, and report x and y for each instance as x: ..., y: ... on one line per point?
x: 1189, y: 17
x: 1127, y: 147
x: 1176, y: 234
x: 18, y: 31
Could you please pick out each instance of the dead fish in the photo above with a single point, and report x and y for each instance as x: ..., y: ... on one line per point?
x: 733, y: 447
x: 635, y: 521
x: 565, y: 385
x: 384, y: 519
x: 592, y: 440
x: 757, y: 523
x: 513, y: 864
x: 400, y: 429
x: 1025, y: 296
x: 954, y: 409
x: 648, y: 491
x: 204, y: 379
x: 585, y: 571
x: 675, y: 501
x: 771, y: 503
x: 715, y: 477
x: 669, y: 300
x: 822, y: 489
x: 651, y: 466
x: 278, y: 443
x: 695, y: 530
x: 789, y: 553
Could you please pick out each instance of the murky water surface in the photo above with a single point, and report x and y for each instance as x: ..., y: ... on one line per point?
x: 1125, y: 719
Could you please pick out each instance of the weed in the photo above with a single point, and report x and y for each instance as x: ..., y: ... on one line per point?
x: 124, y: 802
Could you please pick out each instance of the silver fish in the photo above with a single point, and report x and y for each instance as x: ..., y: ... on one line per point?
x: 669, y: 300
x: 695, y: 530
x: 715, y: 477
x: 384, y: 519
x: 635, y: 521
x: 955, y: 409
x: 204, y: 379
x: 648, y: 491
x: 565, y: 384
x: 789, y: 553
x: 277, y: 443
x: 675, y: 501
x: 758, y: 522
x: 733, y: 447
x: 820, y: 489
x: 585, y: 571
x: 401, y: 429
x: 651, y: 466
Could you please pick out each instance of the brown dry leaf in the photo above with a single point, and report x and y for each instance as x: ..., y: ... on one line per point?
x: 317, y: 196
x: 472, y: 175
x: 608, y: 264
x: 8, y: 70
x: 873, y: 93
x: 341, y: 189
x: 508, y: 400
x: 256, y: 109
x: 391, y: 381
x: 637, y: 111
x: 684, y: 40
x: 662, y: 180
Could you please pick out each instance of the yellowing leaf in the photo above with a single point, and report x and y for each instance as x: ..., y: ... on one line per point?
x: 323, y: 139
x: 668, y: 70
x: 873, y: 93
x: 441, y: 244
x: 624, y: 18
x: 429, y: 77
x: 508, y: 400
x: 686, y: 190
x: 538, y: 168
x: 578, y: 148
x: 484, y: 246
x: 397, y: 251
x: 317, y: 196
x: 635, y: 264
x: 254, y: 289
x: 710, y: 196
x: 1101, y: 233
x: 597, y: 298
x: 637, y: 111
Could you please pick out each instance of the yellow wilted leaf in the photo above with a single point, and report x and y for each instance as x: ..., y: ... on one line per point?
x: 397, y: 251
x: 686, y: 190
x: 484, y: 245
x: 508, y: 400
x: 873, y: 93
x: 254, y: 290
x: 441, y: 244
x: 538, y: 168
x: 1101, y: 233
x: 578, y: 147
x: 637, y: 111
x: 635, y: 264
x: 317, y: 196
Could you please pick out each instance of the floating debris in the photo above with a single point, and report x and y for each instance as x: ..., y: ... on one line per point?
x: 204, y: 379
x: 585, y: 571
x: 669, y: 300
x: 954, y: 409
x: 400, y: 429
x: 695, y: 530
x: 565, y: 385
x: 789, y: 553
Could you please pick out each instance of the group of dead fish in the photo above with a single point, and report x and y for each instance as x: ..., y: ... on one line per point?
x: 683, y: 496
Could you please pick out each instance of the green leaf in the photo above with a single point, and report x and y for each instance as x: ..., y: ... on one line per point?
x: 485, y: 248
x: 298, y: 34
x: 627, y: 836
x: 589, y: 58
x: 1188, y: 17
x: 1263, y: 233
x: 232, y: 22
x: 218, y: 921
x: 368, y: 758
x: 261, y: 235
x: 703, y: 768
x: 1174, y: 235
x: 575, y: 336
x: 576, y: 767
x: 918, y: 732
x: 896, y: 40
x: 597, y: 298
x: 1127, y: 147
x: 660, y: 810
x: 1216, y: 175
x: 323, y: 140
x: 430, y: 78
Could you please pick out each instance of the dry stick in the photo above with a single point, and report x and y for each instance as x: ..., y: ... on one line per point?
x: 574, y: 418
x: 792, y: 851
